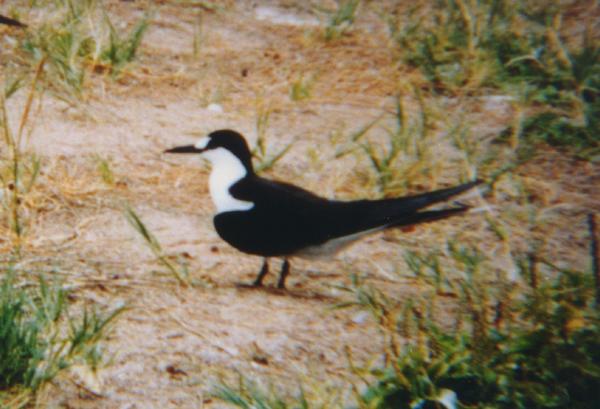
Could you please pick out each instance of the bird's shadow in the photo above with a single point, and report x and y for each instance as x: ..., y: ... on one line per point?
x: 300, y: 294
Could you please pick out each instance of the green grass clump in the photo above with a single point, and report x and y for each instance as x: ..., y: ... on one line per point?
x: 120, y: 50
x: 458, y: 43
x: 539, y: 351
x: 266, y: 160
x: 249, y: 394
x: 341, y: 18
x: 301, y: 88
x: 76, y: 39
x: 40, y: 336
x: 65, y: 72
x: 467, y: 47
x: 557, y: 130
x: 535, y: 348
x: 402, y: 156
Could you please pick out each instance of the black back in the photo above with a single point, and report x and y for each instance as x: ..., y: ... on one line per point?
x: 284, y: 218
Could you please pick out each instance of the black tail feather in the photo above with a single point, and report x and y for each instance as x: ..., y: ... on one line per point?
x: 416, y: 202
x: 403, y: 211
x: 430, y: 216
x: 395, y: 211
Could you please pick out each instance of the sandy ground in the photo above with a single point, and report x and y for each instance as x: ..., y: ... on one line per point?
x: 173, y: 342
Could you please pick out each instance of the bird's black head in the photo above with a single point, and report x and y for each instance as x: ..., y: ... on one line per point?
x: 225, y: 139
x: 228, y: 139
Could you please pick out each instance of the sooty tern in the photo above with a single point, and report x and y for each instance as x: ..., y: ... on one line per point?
x: 275, y: 219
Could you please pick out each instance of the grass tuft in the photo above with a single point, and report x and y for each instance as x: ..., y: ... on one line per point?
x: 301, y: 88
x: 120, y: 51
x: 249, y: 394
x: 180, y: 271
x: 404, y: 157
x: 17, y: 175
x: 340, y: 20
x: 536, y: 351
x: 105, y: 170
x: 535, y: 348
x: 40, y: 337
x: 266, y: 160
x: 80, y: 38
x: 469, y: 47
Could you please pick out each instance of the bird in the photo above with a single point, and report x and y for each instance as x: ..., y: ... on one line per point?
x: 271, y: 218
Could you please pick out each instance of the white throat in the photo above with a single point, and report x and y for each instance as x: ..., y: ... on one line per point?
x: 227, y: 170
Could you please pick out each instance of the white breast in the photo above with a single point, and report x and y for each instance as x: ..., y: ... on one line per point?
x: 226, y: 171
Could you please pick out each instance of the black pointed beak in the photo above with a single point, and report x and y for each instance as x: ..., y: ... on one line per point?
x: 185, y: 149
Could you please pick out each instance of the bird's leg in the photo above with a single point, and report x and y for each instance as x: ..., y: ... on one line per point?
x: 263, y: 272
x: 285, y: 271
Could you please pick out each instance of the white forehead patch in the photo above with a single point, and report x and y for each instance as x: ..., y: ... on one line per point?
x: 202, y: 143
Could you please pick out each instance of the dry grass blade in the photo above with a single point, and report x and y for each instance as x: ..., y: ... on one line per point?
x: 14, y: 399
x: 15, y: 185
x: 355, y: 137
x: 136, y: 222
x: 268, y: 162
x: 25, y: 116
x: 40, y: 337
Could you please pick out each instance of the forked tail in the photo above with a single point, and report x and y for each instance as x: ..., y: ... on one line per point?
x: 402, y: 211
x: 420, y: 201
x: 412, y: 204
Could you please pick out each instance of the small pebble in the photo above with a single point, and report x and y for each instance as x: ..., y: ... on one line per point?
x: 215, y: 108
x: 360, y: 318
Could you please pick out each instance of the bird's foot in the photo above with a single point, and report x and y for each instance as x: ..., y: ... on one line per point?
x: 261, y: 276
x: 285, y: 271
x: 258, y: 283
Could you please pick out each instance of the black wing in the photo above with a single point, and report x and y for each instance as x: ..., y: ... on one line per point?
x: 286, y: 218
